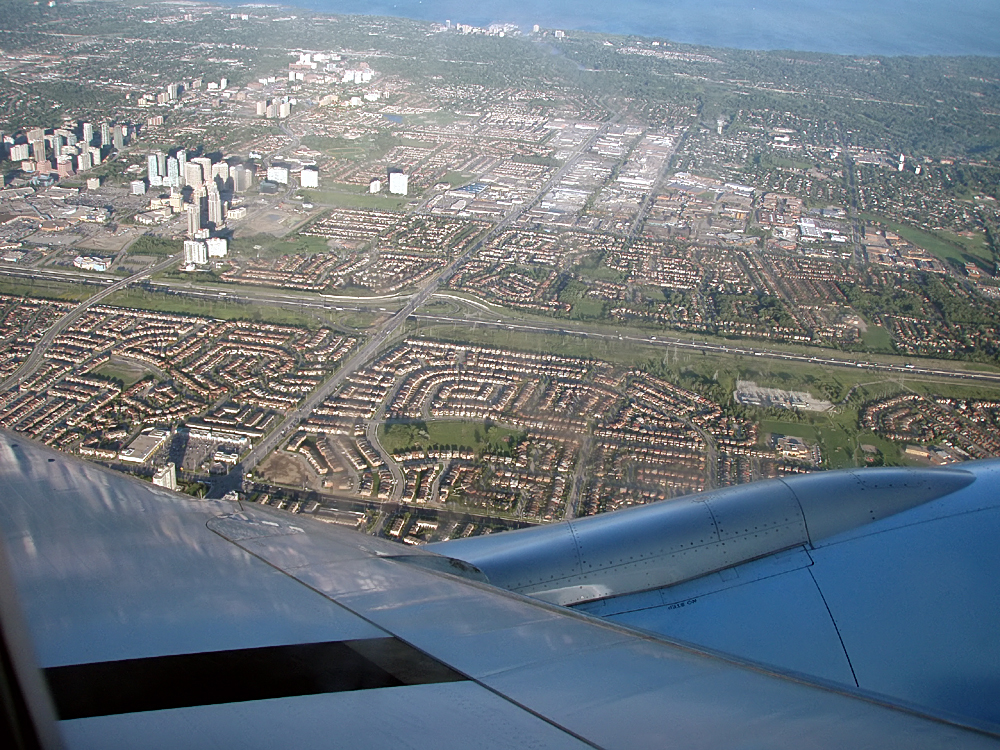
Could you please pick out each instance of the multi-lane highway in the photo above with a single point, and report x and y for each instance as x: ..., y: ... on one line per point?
x: 826, y: 358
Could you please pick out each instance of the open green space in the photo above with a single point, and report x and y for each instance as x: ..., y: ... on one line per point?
x: 477, y: 436
x: 877, y: 339
x: 43, y: 289
x: 269, y: 246
x: 141, y: 299
x: 943, y: 244
x: 149, y: 245
x: 797, y: 429
x: 835, y: 433
x: 352, y: 196
x: 457, y: 179
x: 125, y: 373
x: 892, y: 454
x: 711, y: 372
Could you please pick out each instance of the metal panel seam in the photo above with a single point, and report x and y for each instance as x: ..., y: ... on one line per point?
x: 374, y: 624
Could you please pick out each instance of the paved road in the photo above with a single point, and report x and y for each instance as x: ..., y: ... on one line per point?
x: 38, y: 353
x: 234, y: 480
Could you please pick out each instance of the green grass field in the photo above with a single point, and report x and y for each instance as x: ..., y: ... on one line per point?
x: 353, y: 196
x: 125, y: 374
x: 47, y: 290
x: 142, y: 300
x: 473, y: 435
x: 942, y: 244
x: 273, y: 247
x: 805, y: 431
x: 877, y: 339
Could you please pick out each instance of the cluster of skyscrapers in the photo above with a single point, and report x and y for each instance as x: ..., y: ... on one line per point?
x: 208, y: 181
x: 64, y: 150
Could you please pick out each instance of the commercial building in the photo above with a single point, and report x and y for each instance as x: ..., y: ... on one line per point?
x: 278, y: 174
x: 195, y: 252
x: 143, y: 447
x: 242, y: 178
x: 193, y: 217
x: 166, y: 477
x: 217, y: 247
x: 398, y: 183
x: 310, y: 177
x: 215, y: 215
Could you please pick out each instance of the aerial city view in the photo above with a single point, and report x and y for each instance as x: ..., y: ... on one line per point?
x: 430, y: 280
x: 534, y: 374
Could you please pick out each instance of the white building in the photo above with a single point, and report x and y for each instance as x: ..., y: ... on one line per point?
x: 278, y: 174
x: 196, y: 252
x: 166, y: 477
x: 193, y: 175
x: 138, y: 187
x: 215, y: 214
x: 217, y: 247
x: 398, y: 183
x: 310, y: 177
x: 375, y: 186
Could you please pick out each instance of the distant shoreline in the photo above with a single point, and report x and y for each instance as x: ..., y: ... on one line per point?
x: 846, y: 27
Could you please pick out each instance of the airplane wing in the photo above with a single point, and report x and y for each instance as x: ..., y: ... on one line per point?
x: 158, y: 620
x: 882, y: 580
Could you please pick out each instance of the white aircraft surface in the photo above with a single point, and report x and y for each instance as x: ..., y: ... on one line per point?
x: 840, y: 610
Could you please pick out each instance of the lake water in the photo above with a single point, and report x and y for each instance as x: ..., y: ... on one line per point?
x: 885, y: 27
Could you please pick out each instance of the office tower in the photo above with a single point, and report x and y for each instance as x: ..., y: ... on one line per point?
x: 166, y: 477
x: 206, y: 167
x: 161, y: 163
x: 194, y: 218
x: 310, y: 177
x: 105, y: 134
x: 214, y: 205
x: 38, y: 149
x: 88, y: 133
x: 217, y: 247
x: 193, y: 175
x: 242, y: 178
x: 19, y: 152
x: 118, y: 136
x: 284, y: 109
x: 195, y: 252
x: 84, y: 161
x: 153, y: 170
x: 278, y: 174
x: 182, y: 158
x: 95, y: 155
x: 398, y: 183
x: 173, y: 91
x: 173, y: 173
x: 64, y: 166
x: 220, y: 172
